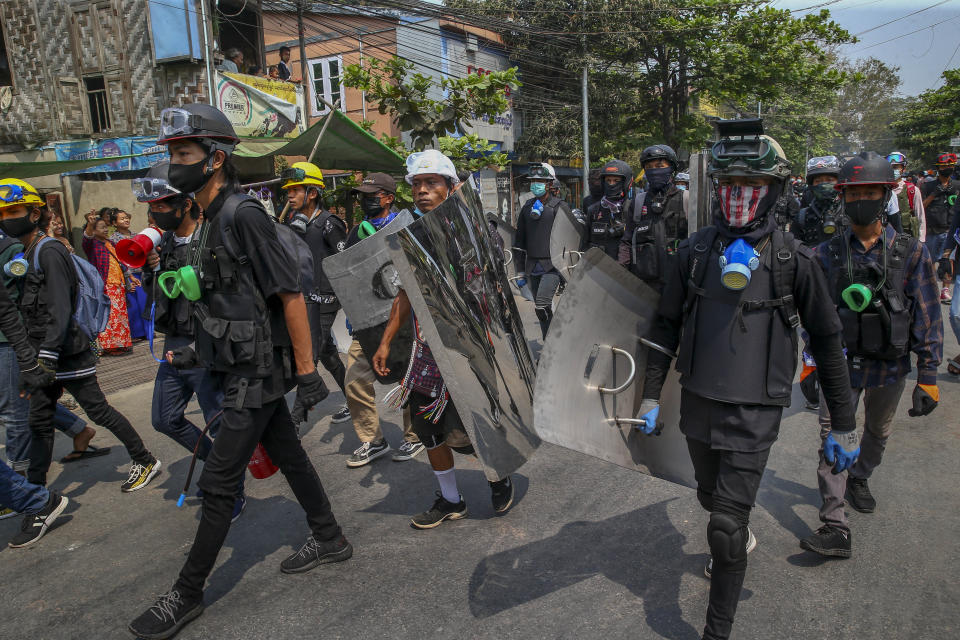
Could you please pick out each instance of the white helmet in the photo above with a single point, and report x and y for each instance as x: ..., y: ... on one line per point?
x: 430, y: 161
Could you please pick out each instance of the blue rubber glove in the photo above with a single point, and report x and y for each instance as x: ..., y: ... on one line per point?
x: 521, y: 280
x: 650, y: 414
x: 349, y: 326
x: 841, y: 449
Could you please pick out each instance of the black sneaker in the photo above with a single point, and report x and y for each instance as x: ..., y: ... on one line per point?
x: 408, y: 450
x: 368, y: 452
x: 751, y: 545
x: 140, y: 476
x: 342, y: 415
x: 501, y: 494
x: 35, y: 525
x: 314, y: 553
x: 166, y: 617
x: 859, y: 495
x: 829, y: 541
x: 441, y: 510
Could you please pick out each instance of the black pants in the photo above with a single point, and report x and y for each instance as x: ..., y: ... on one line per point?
x: 86, y: 390
x: 324, y: 349
x: 727, y: 482
x: 240, y: 431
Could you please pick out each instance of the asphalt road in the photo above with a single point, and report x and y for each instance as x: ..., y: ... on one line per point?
x: 589, y: 550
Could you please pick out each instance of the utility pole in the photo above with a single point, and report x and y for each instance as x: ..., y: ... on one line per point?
x: 586, y: 114
x: 363, y: 94
x: 303, y: 49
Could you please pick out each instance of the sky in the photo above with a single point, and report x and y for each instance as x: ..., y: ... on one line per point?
x: 921, y: 56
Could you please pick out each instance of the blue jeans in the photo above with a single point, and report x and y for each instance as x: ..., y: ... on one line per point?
x: 172, y: 391
x: 14, y: 411
x: 935, y: 245
x: 20, y: 495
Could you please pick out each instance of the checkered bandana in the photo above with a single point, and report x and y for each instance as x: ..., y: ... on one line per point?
x: 739, y: 204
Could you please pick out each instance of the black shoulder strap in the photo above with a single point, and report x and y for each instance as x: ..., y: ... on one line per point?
x: 638, y: 199
x: 228, y: 211
x: 6, y: 242
x: 700, y: 245
x: 784, y: 270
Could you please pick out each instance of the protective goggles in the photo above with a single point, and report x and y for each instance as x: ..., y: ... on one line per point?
x: 897, y: 158
x: 824, y: 163
x: 178, y: 123
x: 14, y: 193
x: 293, y: 175
x: 755, y: 153
x: 152, y: 189
x: 539, y: 171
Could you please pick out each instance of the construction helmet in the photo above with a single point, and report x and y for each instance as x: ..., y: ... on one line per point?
x: 15, y: 192
x: 867, y: 168
x: 303, y: 174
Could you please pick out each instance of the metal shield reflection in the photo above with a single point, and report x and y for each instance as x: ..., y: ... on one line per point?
x: 564, y: 242
x: 590, y: 374
x: 459, y: 292
x: 366, y: 282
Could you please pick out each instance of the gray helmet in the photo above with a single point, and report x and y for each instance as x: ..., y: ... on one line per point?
x: 659, y: 151
x: 617, y: 168
x: 823, y: 166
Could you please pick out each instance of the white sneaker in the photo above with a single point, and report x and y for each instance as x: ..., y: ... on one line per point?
x: 407, y: 450
x: 751, y: 545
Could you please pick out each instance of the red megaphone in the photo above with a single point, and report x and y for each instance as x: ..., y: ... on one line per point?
x: 133, y: 251
x: 260, y: 465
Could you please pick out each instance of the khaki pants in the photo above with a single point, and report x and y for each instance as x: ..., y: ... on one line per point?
x: 358, y: 387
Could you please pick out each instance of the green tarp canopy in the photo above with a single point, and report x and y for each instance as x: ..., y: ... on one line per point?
x: 345, y: 145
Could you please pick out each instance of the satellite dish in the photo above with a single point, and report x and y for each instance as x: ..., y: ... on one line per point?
x: 6, y: 98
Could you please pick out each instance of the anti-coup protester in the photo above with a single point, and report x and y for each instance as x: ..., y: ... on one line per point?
x: 254, y: 334
x: 48, y: 305
x: 732, y: 304
x: 177, y: 215
x: 325, y: 235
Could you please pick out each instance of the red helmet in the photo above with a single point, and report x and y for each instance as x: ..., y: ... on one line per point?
x: 946, y: 159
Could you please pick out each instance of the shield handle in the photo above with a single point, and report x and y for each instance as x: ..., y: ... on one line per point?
x: 571, y: 253
x: 629, y: 380
x: 508, y: 257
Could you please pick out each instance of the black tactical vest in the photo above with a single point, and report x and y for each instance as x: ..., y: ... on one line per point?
x: 882, y: 330
x: 809, y: 226
x: 173, y: 317
x: 315, y: 238
x: 657, y: 229
x: 605, y: 227
x: 237, y: 330
x: 740, y: 347
x: 538, y: 229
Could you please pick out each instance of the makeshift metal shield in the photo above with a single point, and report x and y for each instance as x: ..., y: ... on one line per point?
x: 507, y: 234
x: 590, y: 374
x: 565, y: 237
x: 366, y: 282
x: 459, y: 291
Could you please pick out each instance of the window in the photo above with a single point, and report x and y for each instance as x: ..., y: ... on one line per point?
x: 175, y: 32
x: 6, y: 76
x: 325, y: 78
x: 97, y: 98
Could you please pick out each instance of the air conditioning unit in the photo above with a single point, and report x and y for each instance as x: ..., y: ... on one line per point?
x: 471, y: 43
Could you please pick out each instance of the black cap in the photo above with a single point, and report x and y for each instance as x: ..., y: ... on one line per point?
x: 375, y: 182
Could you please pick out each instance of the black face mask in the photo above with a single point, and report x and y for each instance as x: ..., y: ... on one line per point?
x: 658, y: 179
x: 168, y: 220
x: 17, y: 227
x: 863, y: 212
x: 189, y: 178
x: 613, y: 191
x: 371, y: 206
x: 596, y: 189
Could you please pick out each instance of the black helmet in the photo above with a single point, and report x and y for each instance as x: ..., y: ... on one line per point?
x: 867, y: 168
x: 617, y: 168
x: 155, y: 185
x: 659, y: 151
x: 823, y: 166
x: 200, y: 122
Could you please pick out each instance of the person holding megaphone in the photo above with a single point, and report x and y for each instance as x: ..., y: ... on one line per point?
x: 167, y: 253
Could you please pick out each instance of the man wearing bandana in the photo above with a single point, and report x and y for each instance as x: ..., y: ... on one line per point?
x: 731, y: 304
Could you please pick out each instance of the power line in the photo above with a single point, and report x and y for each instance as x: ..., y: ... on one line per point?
x: 913, y: 13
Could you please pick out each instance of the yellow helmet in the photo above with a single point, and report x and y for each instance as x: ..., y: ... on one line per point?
x: 302, y: 173
x: 15, y: 192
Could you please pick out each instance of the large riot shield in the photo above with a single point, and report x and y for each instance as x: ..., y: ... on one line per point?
x: 590, y: 374
x: 459, y: 292
x: 565, y: 237
x: 365, y: 281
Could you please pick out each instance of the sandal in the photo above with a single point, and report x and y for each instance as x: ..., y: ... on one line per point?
x: 90, y: 452
x: 953, y: 366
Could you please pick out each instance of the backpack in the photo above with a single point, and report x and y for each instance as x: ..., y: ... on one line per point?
x: 292, y: 244
x: 92, y: 307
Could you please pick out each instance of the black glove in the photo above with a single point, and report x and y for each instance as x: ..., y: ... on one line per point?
x: 184, y: 358
x: 944, y: 268
x: 40, y: 375
x: 925, y: 399
x: 310, y: 391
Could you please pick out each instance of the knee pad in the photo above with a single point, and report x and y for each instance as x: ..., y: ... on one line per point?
x: 728, y: 539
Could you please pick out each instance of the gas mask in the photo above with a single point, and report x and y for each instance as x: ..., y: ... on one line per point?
x: 537, y: 209
x: 829, y: 225
x: 737, y: 263
x: 538, y: 189
x: 739, y: 204
x: 17, y: 267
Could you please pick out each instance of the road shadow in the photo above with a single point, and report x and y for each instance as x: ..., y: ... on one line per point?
x: 779, y: 496
x: 640, y: 550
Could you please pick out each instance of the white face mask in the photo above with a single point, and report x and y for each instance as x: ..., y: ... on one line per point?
x: 739, y: 204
